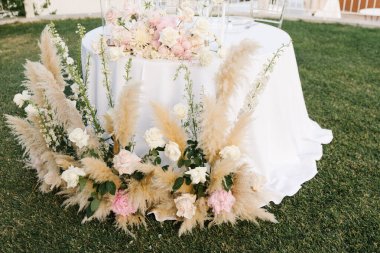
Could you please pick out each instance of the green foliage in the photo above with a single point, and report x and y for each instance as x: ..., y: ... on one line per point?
x: 14, y: 6
x: 337, y: 211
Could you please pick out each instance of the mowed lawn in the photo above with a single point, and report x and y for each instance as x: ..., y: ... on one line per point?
x: 337, y: 211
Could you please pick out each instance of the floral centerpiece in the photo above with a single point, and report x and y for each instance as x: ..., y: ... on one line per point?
x: 151, y: 33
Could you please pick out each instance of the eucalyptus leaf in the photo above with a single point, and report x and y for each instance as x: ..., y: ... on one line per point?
x: 111, y: 187
x: 95, y: 204
x: 178, y: 183
x: 82, y: 183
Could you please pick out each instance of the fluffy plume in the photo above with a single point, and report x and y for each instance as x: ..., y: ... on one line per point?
x: 99, y: 171
x: 65, y: 161
x: 238, y: 132
x: 130, y: 221
x: 214, y: 128
x: 169, y: 126
x: 199, y: 217
x: 126, y: 113
x: 49, y: 56
x: 103, y: 210
x: 77, y: 197
x: 142, y: 194
x: 232, y: 71
x: 249, y: 200
x: 165, y: 210
x: 33, y: 73
x: 221, y: 169
x: 66, y: 113
x: 108, y: 123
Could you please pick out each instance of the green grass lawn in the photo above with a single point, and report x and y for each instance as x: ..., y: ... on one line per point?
x: 337, y: 211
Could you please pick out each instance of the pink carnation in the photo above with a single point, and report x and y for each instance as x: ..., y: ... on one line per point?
x: 121, y: 205
x: 125, y: 162
x: 182, y: 49
x: 165, y: 22
x: 221, y: 201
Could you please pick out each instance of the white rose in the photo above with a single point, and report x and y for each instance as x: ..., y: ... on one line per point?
x: 205, y: 56
x: 125, y: 162
x: 20, y: 98
x: 79, y: 137
x: 230, y: 152
x: 185, y: 205
x: 201, y: 28
x: 154, y: 138
x: 69, y: 61
x: 172, y: 151
x: 186, y: 14
x: 75, y: 88
x: 115, y: 53
x: 31, y: 110
x: 71, y: 176
x: 169, y: 36
x: 198, y: 174
x: 180, y: 110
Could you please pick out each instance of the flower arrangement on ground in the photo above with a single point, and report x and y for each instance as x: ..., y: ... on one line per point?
x: 205, y: 177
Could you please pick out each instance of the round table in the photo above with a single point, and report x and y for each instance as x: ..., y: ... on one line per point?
x: 284, y: 143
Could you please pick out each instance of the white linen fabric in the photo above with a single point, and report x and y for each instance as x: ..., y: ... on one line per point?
x: 283, y: 142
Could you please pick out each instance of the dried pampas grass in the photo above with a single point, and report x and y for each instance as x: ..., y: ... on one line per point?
x: 215, y: 125
x: 66, y: 113
x: 169, y: 127
x: 103, y: 210
x: 76, y: 197
x: 232, y: 71
x: 238, y: 133
x: 33, y: 72
x: 126, y: 113
x: 49, y: 56
x: 221, y: 169
x: 99, y: 171
x: 130, y: 221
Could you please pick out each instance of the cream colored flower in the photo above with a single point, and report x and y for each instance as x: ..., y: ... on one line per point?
x: 20, y: 98
x: 31, y: 110
x: 141, y: 36
x: 125, y: 162
x: 180, y: 110
x: 185, y: 205
x: 115, y: 53
x: 186, y: 14
x: 169, y: 36
x: 71, y: 176
x: 205, y: 56
x: 79, y: 137
x: 69, y: 61
x: 154, y: 138
x: 172, y: 151
x: 230, y: 152
x: 198, y: 175
x: 201, y: 27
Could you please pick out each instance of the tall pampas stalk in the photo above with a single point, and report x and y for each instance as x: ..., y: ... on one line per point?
x: 169, y: 127
x: 33, y: 75
x: 215, y: 126
x: 66, y: 113
x: 126, y: 113
x: 232, y: 71
x: 238, y: 132
x: 49, y: 56
x: 98, y: 171
x: 221, y: 169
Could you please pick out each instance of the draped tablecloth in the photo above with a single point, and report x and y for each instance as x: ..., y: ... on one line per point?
x: 283, y: 142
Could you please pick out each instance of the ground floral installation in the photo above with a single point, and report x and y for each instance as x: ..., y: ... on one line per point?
x: 151, y: 33
x: 206, y: 179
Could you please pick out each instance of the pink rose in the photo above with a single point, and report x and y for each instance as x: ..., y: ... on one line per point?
x: 221, y: 200
x: 155, y: 44
x: 165, y: 22
x: 177, y: 50
x: 121, y: 205
x: 111, y: 16
x: 125, y: 162
x: 164, y: 51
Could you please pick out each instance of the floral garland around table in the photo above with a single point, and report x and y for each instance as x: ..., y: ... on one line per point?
x: 206, y: 179
x: 151, y: 33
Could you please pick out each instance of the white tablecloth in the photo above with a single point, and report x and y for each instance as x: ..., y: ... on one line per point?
x: 284, y: 143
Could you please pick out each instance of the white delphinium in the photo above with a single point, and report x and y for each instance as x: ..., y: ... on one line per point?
x: 180, y: 110
x: 79, y: 137
x: 31, y: 110
x: 71, y: 176
x: 20, y: 98
x: 172, y: 151
x: 198, y: 175
x: 154, y: 138
x: 230, y: 152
